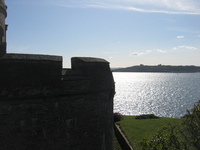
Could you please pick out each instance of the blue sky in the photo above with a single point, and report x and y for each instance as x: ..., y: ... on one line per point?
x: 124, y: 32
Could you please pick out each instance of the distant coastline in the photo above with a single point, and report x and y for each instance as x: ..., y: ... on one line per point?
x: 159, y: 68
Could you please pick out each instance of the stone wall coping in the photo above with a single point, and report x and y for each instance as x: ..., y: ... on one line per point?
x: 32, y: 57
x: 123, y: 141
x: 88, y: 60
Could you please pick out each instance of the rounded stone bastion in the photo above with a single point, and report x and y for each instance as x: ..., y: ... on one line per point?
x: 46, y: 107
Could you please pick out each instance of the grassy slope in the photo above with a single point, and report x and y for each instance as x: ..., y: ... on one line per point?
x: 138, y: 129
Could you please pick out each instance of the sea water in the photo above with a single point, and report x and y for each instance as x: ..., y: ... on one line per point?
x: 162, y: 94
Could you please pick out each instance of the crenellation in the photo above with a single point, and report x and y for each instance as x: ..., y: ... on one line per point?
x: 46, y: 107
x: 60, y: 115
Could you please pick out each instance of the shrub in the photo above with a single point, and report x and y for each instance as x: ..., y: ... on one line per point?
x: 191, y: 124
x: 147, y: 116
x: 166, y: 139
x: 117, y: 117
x: 184, y: 137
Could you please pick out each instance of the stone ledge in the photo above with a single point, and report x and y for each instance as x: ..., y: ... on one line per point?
x: 31, y: 57
x: 124, y: 143
x: 88, y: 60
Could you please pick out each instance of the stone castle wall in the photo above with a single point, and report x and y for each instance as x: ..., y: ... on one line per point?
x: 3, y: 28
x: 45, y: 107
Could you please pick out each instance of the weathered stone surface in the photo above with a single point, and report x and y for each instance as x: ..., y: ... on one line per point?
x: 75, y: 113
x: 2, y: 49
x: 21, y: 70
x: 96, y: 69
x: 73, y: 122
x: 3, y: 28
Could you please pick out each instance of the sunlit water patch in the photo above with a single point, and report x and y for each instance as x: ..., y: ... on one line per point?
x: 162, y: 94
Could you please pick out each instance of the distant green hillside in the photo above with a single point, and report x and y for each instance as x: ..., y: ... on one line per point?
x: 159, y: 68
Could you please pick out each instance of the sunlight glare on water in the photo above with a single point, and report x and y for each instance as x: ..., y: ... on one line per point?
x: 162, y: 94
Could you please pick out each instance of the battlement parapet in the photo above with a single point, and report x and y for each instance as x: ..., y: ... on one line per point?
x: 30, y: 70
x: 25, y: 75
x: 44, y: 106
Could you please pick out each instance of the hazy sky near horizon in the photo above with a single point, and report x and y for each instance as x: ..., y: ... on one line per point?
x: 124, y: 32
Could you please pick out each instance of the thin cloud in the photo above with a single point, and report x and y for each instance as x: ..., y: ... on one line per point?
x: 182, y: 47
x: 180, y: 37
x: 137, y: 53
x: 141, y: 53
x: 161, y: 51
x: 147, y: 52
x: 185, y: 47
x: 148, y: 6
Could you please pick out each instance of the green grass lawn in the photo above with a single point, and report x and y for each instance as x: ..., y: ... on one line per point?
x: 138, y: 129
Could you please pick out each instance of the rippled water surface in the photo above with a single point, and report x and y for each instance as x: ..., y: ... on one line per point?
x: 162, y: 94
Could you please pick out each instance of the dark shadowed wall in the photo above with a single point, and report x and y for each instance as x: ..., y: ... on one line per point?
x: 45, y: 107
